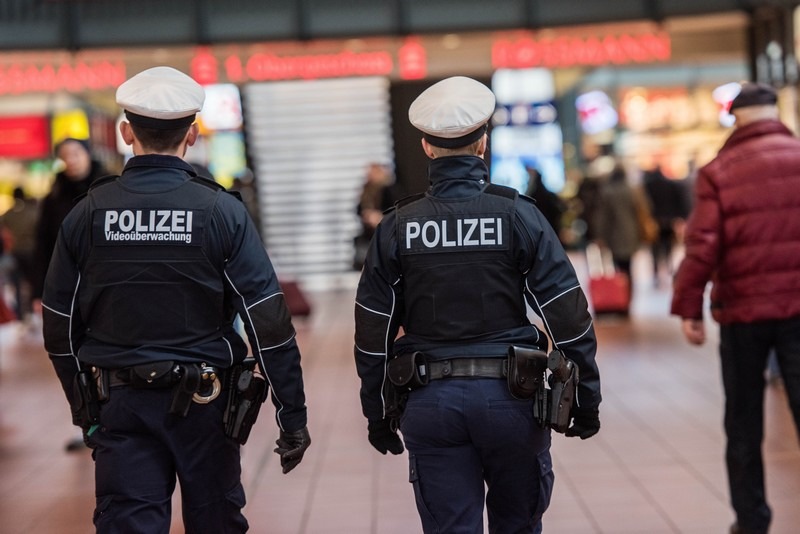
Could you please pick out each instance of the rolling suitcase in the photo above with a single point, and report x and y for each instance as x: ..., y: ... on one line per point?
x: 609, y: 289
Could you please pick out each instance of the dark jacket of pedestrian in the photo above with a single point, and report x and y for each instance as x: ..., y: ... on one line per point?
x: 52, y: 211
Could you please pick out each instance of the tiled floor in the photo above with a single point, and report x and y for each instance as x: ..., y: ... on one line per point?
x: 655, y: 467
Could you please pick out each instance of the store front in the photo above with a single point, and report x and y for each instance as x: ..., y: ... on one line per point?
x: 304, y: 119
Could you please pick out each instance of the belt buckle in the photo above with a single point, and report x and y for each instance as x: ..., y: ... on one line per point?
x: 208, y: 374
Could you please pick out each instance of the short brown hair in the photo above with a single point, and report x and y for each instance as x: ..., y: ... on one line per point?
x: 159, y: 140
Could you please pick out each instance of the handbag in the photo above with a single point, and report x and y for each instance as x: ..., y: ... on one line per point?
x: 648, y: 227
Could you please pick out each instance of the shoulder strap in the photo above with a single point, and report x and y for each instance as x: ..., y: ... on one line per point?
x: 408, y: 200
x: 211, y: 184
x: 501, y: 190
x: 103, y: 180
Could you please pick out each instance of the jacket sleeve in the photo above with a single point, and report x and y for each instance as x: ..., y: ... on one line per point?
x: 62, y: 324
x: 377, y: 311
x: 258, y: 299
x: 702, y: 241
x: 553, y: 292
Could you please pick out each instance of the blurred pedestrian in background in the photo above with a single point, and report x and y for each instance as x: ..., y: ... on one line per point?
x: 669, y: 210
x: 375, y: 198
x: 616, y: 221
x: 77, y: 172
x: 744, y: 236
x: 20, y: 223
x: 551, y: 206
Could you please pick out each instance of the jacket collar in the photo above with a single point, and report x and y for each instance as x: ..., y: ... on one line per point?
x: 159, y: 160
x: 461, y: 171
x: 756, y: 129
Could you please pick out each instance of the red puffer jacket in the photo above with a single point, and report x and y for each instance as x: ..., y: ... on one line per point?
x: 744, y: 231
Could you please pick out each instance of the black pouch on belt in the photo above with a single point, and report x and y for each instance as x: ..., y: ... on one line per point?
x: 154, y: 375
x: 408, y: 371
x: 525, y: 371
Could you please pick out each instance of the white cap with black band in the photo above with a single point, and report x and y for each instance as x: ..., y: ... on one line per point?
x: 453, y: 112
x: 161, y: 98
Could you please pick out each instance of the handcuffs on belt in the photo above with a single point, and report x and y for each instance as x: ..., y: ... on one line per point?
x: 208, y: 373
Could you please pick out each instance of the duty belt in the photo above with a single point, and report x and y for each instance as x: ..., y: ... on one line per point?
x: 199, y: 383
x: 467, y: 367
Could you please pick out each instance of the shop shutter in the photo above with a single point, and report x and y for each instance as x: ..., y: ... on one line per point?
x: 310, y: 143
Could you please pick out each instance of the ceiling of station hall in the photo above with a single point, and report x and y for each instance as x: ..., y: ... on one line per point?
x: 82, y: 24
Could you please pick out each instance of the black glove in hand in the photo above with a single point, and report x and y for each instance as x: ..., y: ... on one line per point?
x: 291, y: 448
x: 384, y: 438
x: 87, y: 434
x: 585, y: 424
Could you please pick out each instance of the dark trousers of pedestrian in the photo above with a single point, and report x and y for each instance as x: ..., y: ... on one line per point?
x: 744, y: 348
x: 140, y: 450
x: 20, y: 278
x: 661, y: 250
x: 471, y: 443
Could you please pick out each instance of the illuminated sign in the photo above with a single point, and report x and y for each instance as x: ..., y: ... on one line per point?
x: 573, y: 51
x: 20, y: 78
x: 222, y: 109
x: 413, y: 60
x: 24, y: 137
x: 261, y: 66
x: 406, y: 59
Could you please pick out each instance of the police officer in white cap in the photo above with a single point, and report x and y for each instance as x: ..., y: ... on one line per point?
x: 148, y: 274
x: 455, y: 267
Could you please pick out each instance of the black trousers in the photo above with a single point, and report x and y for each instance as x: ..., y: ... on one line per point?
x: 140, y: 451
x: 472, y: 445
x: 744, y: 348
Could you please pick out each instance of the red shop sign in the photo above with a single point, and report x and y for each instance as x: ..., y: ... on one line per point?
x: 24, y: 137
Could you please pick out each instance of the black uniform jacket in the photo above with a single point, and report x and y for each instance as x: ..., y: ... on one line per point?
x: 543, y: 277
x: 155, y: 265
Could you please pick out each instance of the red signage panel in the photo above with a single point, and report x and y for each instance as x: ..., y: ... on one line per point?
x: 25, y: 137
x: 565, y: 51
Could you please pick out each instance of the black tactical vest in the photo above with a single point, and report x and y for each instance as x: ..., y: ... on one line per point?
x: 456, y: 255
x: 147, y: 279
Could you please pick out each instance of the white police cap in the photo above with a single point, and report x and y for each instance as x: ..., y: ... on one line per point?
x: 453, y: 112
x: 162, y: 98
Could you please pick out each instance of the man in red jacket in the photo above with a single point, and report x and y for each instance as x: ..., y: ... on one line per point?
x: 744, y: 237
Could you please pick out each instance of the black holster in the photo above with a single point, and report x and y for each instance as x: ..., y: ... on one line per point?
x: 526, y: 372
x: 184, y: 390
x: 86, y: 407
x: 246, y: 392
x: 563, y: 382
x: 394, y: 402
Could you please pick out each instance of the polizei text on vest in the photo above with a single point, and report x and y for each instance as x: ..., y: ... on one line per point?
x: 148, y: 225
